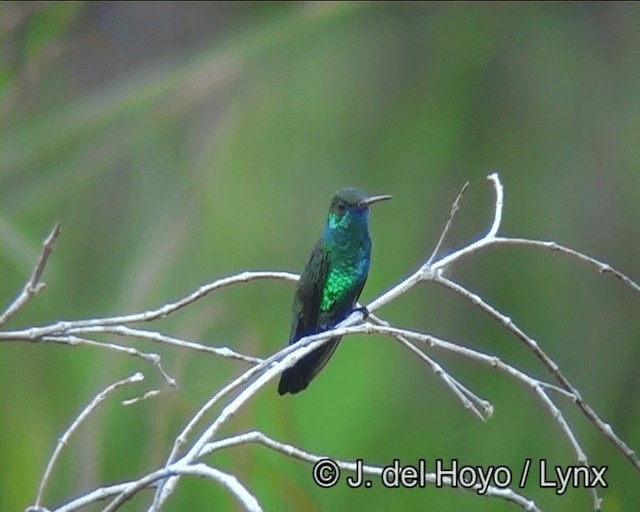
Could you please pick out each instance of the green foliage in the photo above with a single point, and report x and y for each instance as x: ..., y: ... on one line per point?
x: 221, y: 155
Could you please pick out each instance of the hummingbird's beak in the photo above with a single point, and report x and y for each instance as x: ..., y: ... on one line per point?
x: 374, y: 199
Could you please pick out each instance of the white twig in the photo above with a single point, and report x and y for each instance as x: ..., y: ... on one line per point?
x: 285, y: 358
x: 98, y: 399
x: 156, y: 337
x: 478, y: 406
x: 152, y: 358
x: 80, y: 326
x: 454, y: 209
x: 548, y: 363
x: 537, y: 386
x: 263, y: 371
x: 149, y: 394
x: 603, y: 268
x: 124, y: 491
x: 497, y: 218
x: 292, y: 451
x: 434, y: 272
x: 33, y: 285
x: 229, y: 482
x: 181, y: 439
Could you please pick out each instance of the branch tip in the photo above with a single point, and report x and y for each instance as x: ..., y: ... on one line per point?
x: 454, y: 208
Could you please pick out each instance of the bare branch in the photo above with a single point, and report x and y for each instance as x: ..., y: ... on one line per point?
x: 33, y: 285
x: 285, y: 358
x: 535, y: 385
x: 548, y: 363
x: 478, y: 406
x: 189, y: 461
x: 69, y: 336
x: 497, y: 218
x: 149, y: 394
x: 454, y: 209
x: 601, y: 267
x: 99, y: 398
x: 152, y: 358
x: 434, y: 273
x: 116, y: 325
x: 172, y: 307
x: 430, y: 268
x: 292, y: 451
x: 466, y: 396
x: 229, y: 482
x: 248, y: 375
x: 157, y: 337
x: 124, y: 491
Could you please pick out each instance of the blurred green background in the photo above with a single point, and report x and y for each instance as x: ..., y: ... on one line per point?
x: 182, y: 142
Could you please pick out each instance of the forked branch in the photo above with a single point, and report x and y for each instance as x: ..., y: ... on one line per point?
x: 200, y: 439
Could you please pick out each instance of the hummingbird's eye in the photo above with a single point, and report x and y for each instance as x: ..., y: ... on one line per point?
x: 342, y: 207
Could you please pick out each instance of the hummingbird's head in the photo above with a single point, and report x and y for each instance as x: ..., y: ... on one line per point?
x: 350, y: 206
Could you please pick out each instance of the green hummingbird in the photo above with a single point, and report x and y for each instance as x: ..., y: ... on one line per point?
x: 331, y: 282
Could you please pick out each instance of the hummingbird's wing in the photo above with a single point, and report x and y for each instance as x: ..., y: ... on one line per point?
x: 308, y: 297
x: 305, y: 316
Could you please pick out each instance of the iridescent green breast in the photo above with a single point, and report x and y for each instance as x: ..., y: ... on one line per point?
x: 347, y: 248
x: 339, y: 283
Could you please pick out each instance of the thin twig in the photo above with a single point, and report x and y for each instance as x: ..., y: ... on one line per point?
x: 229, y: 482
x: 264, y: 370
x: 172, y: 307
x: 535, y: 385
x: 82, y: 326
x: 33, y: 285
x: 478, y: 406
x: 152, y: 358
x: 548, y: 363
x: 70, y: 334
x: 181, y: 439
x: 434, y: 273
x: 169, y: 340
x: 292, y: 451
x: 125, y: 490
x: 285, y: 358
x: 497, y: 218
x: 601, y: 267
x: 454, y: 209
x: 149, y: 394
x: 97, y: 400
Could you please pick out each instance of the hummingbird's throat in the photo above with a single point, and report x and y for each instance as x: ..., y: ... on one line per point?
x: 336, y: 223
x: 349, y: 219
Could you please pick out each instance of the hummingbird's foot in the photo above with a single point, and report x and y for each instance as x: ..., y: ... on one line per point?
x: 363, y: 310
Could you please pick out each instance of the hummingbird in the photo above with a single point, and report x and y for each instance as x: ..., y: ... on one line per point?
x: 331, y: 282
